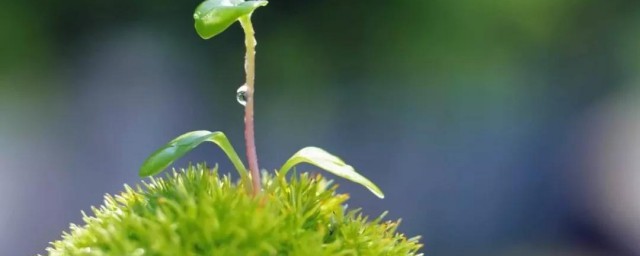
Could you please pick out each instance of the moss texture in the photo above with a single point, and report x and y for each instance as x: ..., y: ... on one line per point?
x: 197, y: 212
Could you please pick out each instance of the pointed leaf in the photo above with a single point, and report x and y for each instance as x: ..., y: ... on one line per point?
x: 178, y: 147
x: 328, y: 162
x: 214, y: 16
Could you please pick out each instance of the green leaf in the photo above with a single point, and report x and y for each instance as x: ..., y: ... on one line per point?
x: 328, y: 162
x: 178, y: 147
x: 214, y: 16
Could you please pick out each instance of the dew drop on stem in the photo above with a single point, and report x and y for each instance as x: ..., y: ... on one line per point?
x: 241, y: 95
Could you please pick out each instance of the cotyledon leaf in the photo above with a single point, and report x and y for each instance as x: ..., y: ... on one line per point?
x: 214, y: 16
x: 178, y: 147
x: 328, y: 162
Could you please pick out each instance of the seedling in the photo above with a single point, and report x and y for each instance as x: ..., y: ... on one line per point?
x: 195, y: 211
x: 213, y: 17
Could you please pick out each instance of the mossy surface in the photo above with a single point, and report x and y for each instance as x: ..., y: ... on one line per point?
x: 197, y: 212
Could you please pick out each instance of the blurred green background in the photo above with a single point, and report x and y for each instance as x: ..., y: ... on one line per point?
x: 500, y: 127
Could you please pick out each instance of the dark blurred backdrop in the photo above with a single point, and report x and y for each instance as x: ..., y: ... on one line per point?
x: 495, y: 127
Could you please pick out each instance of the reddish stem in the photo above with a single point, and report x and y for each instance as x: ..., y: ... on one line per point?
x: 249, y: 66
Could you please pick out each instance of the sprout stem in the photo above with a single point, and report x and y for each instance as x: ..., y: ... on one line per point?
x: 249, y: 67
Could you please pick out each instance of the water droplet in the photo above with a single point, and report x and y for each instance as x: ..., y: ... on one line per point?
x: 241, y: 95
x: 196, y: 16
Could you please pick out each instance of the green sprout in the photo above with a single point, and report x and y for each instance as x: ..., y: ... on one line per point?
x: 195, y: 211
x: 213, y: 17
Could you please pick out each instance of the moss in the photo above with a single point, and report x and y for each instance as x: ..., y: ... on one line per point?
x: 198, y: 212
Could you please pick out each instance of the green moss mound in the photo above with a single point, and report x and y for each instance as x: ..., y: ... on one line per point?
x: 197, y: 212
